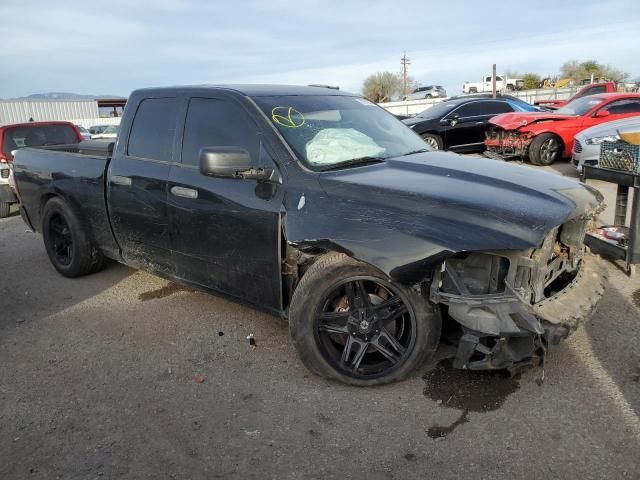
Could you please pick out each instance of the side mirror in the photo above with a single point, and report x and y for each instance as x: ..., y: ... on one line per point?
x: 452, y: 120
x: 602, y: 113
x: 230, y: 162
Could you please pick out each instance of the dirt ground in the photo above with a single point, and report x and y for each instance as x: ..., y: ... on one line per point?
x: 101, y: 377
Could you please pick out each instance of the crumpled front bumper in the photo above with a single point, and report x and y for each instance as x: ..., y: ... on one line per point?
x: 503, y: 144
x: 507, y: 333
x: 576, y: 303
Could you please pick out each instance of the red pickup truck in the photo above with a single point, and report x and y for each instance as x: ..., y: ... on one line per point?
x: 591, y: 89
x: 32, y: 134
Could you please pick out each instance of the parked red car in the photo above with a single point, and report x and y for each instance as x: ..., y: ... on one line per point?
x: 548, y: 136
x: 591, y: 89
x: 32, y: 134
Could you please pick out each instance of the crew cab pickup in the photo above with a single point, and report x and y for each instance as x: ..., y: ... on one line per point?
x: 592, y: 89
x: 321, y: 207
x: 486, y: 85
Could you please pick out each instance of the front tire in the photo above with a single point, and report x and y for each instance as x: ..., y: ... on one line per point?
x: 545, y: 149
x: 68, y: 246
x: 350, y: 323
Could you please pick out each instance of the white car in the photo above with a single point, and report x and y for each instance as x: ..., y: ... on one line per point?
x: 111, y: 132
x: 586, y: 145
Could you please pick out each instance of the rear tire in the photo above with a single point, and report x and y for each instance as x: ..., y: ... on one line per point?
x: 428, y: 96
x: 329, y: 319
x: 433, y: 140
x: 68, y: 246
x: 545, y: 149
x: 5, y: 209
x: 473, y: 90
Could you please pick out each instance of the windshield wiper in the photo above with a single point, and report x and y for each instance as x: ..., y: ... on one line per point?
x: 422, y: 150
x: 351, y: 162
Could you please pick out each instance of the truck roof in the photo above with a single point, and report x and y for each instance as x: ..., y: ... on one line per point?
x: 253, y: 90
x: 35, y: 124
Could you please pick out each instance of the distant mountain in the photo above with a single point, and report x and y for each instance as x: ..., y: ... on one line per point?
x: 63, y: 96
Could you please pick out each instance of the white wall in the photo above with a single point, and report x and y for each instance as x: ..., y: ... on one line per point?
x: 46, y: 110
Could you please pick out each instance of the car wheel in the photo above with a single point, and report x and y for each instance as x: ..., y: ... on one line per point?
x: 510, y: 87
x: 428, y: 95
x: 473, y: 90
x: 545, y: 149
x: 433, y: 140
x: 350, y: 323
x: 66, y: 241
x: 5, y: 208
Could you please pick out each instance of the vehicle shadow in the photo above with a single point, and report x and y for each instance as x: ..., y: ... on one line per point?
x: 612, y: 340
x: 31, y: 289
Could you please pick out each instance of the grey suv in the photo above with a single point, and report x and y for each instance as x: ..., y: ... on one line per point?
x: 431, y: 91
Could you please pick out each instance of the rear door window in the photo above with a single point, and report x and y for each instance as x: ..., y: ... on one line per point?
x: 620, y: 107
x: 153, y: 129
x: 217, y: 123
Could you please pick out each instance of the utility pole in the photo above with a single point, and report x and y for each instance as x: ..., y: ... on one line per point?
x: 493, y: 81
x: 404, y: 61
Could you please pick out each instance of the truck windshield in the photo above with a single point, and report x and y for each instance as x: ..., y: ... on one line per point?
x: 580, y: 106
x: 326, y: 130
x: 37, y: 136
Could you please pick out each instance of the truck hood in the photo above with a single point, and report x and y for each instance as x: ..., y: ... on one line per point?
x: 516, y: 120
x: 405, y: 211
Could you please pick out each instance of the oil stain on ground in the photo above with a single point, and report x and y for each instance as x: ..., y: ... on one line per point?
x: 168, y: 289
x: 468, y: 391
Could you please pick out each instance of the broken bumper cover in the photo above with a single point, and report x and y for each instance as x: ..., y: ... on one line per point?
x: 506, y: 145
x: 504, y: 332
x: 574, y: 304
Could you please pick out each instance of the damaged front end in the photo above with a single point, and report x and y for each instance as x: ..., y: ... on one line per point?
x: 513, y: 304
x: 507, y: 144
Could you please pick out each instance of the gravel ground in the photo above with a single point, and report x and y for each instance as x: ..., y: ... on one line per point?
x: 101, y: 374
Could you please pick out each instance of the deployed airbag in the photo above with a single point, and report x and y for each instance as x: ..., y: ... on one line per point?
x: 333, y: 145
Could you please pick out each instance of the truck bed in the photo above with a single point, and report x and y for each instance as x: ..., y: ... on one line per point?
x: 74, y: 172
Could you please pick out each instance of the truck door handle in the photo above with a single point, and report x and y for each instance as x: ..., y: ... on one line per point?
x: 118, y: 180
x: 184, y: 192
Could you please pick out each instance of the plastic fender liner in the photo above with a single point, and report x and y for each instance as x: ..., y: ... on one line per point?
x: 509, y: 316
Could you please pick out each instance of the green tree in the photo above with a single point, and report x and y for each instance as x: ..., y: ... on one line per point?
x: 530, y: 81
x: 578, y: 71
x: 382, y: 86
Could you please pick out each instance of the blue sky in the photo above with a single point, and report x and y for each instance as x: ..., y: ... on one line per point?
x: 116, y: 46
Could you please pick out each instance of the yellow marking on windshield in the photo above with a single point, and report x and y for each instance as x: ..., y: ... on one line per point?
x: 287, y: 117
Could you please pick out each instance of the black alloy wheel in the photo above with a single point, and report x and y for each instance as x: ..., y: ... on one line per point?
x: 365, y: 329
x: 61, y: 238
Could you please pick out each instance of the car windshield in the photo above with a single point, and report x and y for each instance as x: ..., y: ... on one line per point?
x: 329, y: 130
x: 580, y: 106
x: 521, y: 106
x: 438, y: 110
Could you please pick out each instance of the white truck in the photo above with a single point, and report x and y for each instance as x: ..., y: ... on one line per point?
x: 502, y: 83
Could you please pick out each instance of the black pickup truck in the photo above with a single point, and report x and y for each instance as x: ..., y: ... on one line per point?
x: 321, y: 207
